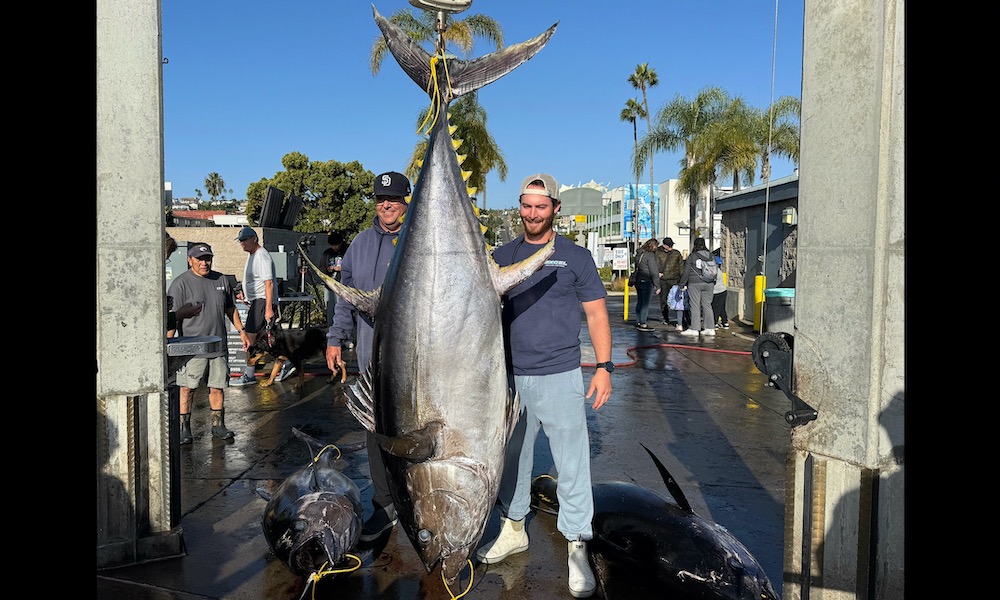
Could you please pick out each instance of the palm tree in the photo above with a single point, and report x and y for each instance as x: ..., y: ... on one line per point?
x: 483, y: 155
x: 641, y: 79
x: 214, y: 185
x: 631, y: 113
x: 744, y: 135
x: 479, y: 146
x: 682, y: 123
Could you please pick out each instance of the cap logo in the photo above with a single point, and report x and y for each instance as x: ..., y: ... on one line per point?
x: 386, y: 180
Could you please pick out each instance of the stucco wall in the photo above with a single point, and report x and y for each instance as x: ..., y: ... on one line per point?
x: 229, y: 255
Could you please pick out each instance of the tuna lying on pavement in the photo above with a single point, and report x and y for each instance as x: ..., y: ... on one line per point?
x: 436, y: 394
x: 313, y: 519
x: 646, y: 542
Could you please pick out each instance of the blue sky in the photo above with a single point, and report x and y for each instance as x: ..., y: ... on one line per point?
x: 249, y: 81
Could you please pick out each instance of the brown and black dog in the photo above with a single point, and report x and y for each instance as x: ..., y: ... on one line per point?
x: 295, y: 345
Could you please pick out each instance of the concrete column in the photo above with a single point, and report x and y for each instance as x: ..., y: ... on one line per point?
x: 844, y: 521
x: 137, y: 511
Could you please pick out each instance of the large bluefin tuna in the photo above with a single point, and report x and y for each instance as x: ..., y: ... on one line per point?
x: 646, y: 546
x: 436, y: 394
x: 313, y: 519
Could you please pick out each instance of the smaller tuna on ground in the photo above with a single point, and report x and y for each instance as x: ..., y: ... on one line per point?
x: 647, y: 546
x: 312, y: 521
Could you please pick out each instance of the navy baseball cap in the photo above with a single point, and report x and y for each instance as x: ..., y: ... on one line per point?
x: 392, y: 184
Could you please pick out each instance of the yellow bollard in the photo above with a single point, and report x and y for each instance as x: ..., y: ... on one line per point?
x: 759, y: 283
x: 625, y: 317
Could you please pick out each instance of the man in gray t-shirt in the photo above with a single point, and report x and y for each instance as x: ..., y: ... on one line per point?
x: 210, y: 290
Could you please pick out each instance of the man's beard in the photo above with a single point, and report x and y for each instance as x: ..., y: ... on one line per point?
x: 534, y: 229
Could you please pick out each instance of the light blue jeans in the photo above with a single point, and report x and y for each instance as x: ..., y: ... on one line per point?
x: 557, y: 404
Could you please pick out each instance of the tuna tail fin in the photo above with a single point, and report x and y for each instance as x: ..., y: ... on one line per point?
x: 317, y: 447
x: 455, y: 77
x: 505, y: 278
x: 543, y: 494
x: 365, y: 302
x: 671, y: 483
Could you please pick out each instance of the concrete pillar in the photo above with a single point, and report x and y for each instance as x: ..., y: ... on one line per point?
x: 844, y: 521
x: 137, y: 508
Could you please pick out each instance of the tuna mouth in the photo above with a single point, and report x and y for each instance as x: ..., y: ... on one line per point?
x: 319, y: 550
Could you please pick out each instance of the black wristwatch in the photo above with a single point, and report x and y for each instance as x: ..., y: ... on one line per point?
x: 610, y: 366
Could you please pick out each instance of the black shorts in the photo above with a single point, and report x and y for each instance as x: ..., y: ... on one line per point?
x: 255, y: 316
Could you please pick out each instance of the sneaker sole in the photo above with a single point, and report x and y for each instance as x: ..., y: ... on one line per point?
x: 582, y: 593
x: 371, y: 537
x: 489, y: 561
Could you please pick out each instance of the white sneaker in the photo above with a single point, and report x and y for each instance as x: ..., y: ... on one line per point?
x: 287, y: 368
x: 581, y: 579
x: 512, y: 539
x: 708, y: 332
x: 690, y: 332
x: 679, y: 328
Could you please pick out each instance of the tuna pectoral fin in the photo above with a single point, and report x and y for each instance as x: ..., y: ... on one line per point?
x: 414, y: 446
x: 365, y: 302
x: 504, y: 278
x: 543, y: 494
x: 266, y: 495
x: 670, y: 482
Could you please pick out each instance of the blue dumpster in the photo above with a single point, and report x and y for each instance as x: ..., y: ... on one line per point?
x: 779, y: 310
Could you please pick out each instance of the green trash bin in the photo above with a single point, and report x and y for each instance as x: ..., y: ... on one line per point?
x: 779, y: 310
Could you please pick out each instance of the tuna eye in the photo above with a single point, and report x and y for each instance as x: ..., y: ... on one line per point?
x: 424, y: 536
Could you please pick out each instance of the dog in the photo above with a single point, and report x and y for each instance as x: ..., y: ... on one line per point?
x: 295, y: 345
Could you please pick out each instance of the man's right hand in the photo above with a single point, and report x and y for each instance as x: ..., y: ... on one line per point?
x: 333, y: 358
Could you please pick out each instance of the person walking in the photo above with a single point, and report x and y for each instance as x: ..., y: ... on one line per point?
x: 700, y: 288
x: 332, y: 258
x: 542, y: 317
x: 211, y: 292
x: 647, y: 283
x: 720, y: 295
x: 260, y: 291
x: 671, y: 267
x: 363, y: 267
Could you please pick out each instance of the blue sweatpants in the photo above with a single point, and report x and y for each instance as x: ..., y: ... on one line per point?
x: 557, y: 404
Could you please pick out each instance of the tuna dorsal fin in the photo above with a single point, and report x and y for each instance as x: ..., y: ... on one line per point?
x: 315, y: 446
x: 504, y: 278
x: 671, y: 483
x: 456, y: 77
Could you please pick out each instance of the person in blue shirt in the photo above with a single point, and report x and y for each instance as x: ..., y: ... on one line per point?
x: 541, y: 318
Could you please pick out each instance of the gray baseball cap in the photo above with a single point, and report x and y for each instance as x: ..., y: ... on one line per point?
x: 550, y: 183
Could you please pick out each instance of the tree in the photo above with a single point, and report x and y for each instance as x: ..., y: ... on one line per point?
x: 214, y: 185
x: 681, y: 123
x: 641, y: 79
x: 631, y: 113
x: 745, y: 136
x: 334, y: 195
x: 482, y: 152
x: 480, y: 149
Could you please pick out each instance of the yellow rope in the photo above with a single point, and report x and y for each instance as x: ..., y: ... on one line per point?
x: 435, y: 110
x: 323, y: 572
x: 472, y: 577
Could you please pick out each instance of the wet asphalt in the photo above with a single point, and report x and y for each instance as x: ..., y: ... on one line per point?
x: 699, y: 404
